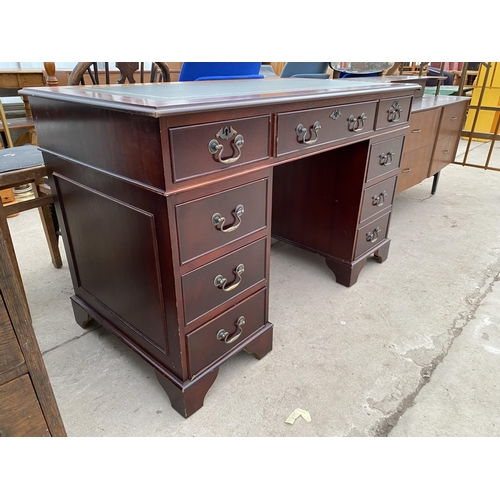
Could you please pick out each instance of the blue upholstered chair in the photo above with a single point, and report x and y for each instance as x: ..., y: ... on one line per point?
x: 305, y: 70
x: 196, y: 71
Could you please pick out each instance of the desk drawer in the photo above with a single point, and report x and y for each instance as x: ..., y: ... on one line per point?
x: 204, y: 288
x: 377, y: 198
x: 304, y: 129
x: 384, y: 157
x: 201, y: 225
x: 10, y: 352
x: 452, y: 118
x: 216, y: 338
x: 423, y: 129
x: 393, y: 112
x: 20, y: 412
x: 371, y: 234
x: 201, y: 149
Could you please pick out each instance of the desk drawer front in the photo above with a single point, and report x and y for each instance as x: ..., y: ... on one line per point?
x: 214, y: 221
x: 201, y: 149
x: 423, y: 128
x: 205, y: 289
x: 10, y: 352
x: 377, y: 198
x: 371, y: 234
x: 219, y: 336
x: 384, y: 157
x: 393, y: 112
x: 304, y: 129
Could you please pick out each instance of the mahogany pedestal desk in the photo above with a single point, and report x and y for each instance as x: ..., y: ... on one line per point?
x: 164, y: 193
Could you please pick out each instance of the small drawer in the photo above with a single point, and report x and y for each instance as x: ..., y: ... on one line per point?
x: 384, y: 157
x: 444, y: 153
x: 423, y: 129
x: 10, y: 352
x: 219, y: 336
x: 214, y: 221
x: 20, y: 412
x: 392, y: 112
x: 304, y: 129
x: 371, y: 234
x: 202, y: 149
x: 452, y: 118
x: 214, y: 284
x: 377, y: 198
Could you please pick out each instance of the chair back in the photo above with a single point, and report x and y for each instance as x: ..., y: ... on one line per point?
x: 304, y: 69
x: 92, y: 73
x: 195, y: 71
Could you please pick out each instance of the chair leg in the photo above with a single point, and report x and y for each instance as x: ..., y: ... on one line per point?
x: 48, y: 227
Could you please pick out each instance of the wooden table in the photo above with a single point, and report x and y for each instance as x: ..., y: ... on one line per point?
x: 169, y: 194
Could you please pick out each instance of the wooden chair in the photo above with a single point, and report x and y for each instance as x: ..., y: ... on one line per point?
x: 21, y: 165
x: 92, y: 73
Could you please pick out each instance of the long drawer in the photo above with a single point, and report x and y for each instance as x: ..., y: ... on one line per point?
x: 371, y: 234
x: 201, y: 149
x: 299, y: 130
x: 219, y: 336
x: 214, y: 221
x: 212, y: 285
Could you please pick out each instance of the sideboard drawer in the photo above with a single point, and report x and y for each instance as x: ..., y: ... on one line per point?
x: 304, y: 129
x: 201, y: 149
x: 393, y: 112
x: 452, y: 118
x: 217, y: 337
x: 214, y: 221
x: 10, y: 351
x: 377, y: 198
x: 20, y: 412
x: 444, y: 153
x: 423, y: 128
x: 371, y: 234
x: 205, y: 289
x: 384, y: 157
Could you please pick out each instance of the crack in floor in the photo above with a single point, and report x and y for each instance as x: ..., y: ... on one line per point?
x: 386, y: 424
x: 90, y: 330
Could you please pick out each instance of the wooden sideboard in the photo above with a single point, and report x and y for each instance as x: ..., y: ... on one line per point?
x: 432, y: 140
x: 27, y: 404
x: 168, y: 195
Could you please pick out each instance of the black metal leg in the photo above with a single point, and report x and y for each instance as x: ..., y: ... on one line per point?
x: 435, y: 182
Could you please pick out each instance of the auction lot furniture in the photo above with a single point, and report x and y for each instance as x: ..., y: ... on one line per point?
x: 27, y: 403
x: 168, y: 195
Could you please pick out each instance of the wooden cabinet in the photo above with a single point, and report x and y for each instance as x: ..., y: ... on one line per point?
x: 432, y: 139
x: 168, y: 203
x: 27, y: 403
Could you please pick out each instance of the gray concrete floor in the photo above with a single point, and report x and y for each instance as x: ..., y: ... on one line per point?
x: 410, y: 350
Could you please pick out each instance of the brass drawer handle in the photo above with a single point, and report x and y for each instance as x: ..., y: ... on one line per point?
x: 301, y: 132
x: 379, y: 200
x: 228, y: 338
x: 386, y: 158
x: 226, y: 133
x: 220, y: 281
x: 394, y: 112
x: 356, y: 124
x: 218, y: 220
x: 373, y: 237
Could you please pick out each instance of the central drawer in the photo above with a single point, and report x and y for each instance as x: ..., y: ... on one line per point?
x: 299, y: 130
x: 209, y: 223
x: 204, y: 289
x: 221, y: 335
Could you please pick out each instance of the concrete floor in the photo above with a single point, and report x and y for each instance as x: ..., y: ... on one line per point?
x: 410, y: 350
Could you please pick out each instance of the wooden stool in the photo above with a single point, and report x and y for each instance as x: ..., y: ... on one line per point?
x: 25, y: 165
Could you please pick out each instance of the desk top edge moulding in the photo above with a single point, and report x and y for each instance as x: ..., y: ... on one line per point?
x: 168, y: 195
